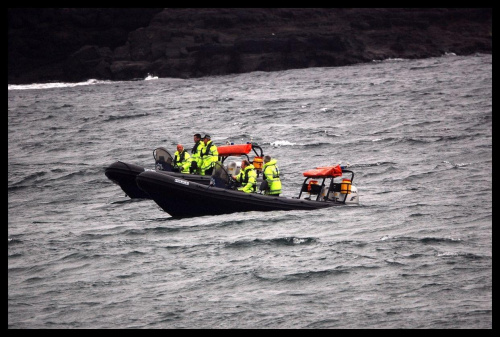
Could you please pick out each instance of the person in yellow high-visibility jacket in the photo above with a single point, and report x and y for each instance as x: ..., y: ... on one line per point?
x: 247, y: 177
x: 196, y: 154
x: 271, y: 174
x: 209, y: 156
x: 182, y: 159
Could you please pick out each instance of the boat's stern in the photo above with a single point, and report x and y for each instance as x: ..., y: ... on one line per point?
x: 338, y: 190
x: 345, y: 196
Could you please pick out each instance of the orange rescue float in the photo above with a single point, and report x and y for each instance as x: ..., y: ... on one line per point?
x: 324, y: 172
x: 258, y: 162
x: 234, y: 150
x: 345, y: 186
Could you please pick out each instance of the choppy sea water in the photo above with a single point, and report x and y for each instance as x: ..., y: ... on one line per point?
x: 415, y: 253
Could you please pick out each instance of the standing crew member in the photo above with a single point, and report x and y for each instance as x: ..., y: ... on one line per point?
x: 247, y: 177
x: 182, y: 159
x: 196, y: 155
x: 271, y: 174
x: 209, y: 156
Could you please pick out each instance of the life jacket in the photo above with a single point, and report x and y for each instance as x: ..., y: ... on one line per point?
x: 271, y: 173
x: 248, y: 179
x: 179, y: 157
x: 195, y: 147
x: 196, y: 156
x: 182, y: 160
x: 209, y: 155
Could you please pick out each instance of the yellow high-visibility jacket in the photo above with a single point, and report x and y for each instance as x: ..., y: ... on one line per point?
x: 182, y: 161
x: 209, y: 156
x: 248, y: 179
x: 271, y: 173
x: 196, y: 155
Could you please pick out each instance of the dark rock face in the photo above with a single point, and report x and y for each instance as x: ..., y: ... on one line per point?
x: 76, y: 44
x: 68, y: 44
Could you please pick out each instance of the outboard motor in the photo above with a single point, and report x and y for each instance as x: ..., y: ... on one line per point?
x: 343, y: 191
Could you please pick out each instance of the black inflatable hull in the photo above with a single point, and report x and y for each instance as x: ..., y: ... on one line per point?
x: 182, y: 198
x: 124, y: 175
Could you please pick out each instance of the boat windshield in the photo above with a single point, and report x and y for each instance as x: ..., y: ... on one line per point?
x: 220, y: 177
x: 163, y: 159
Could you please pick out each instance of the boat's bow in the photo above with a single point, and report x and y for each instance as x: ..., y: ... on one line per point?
x: 124, y: 175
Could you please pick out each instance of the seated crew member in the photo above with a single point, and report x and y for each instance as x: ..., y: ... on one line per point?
x: 182, y: 159
x: 247, y: 177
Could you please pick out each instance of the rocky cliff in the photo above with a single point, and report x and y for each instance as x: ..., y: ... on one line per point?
x: 76, y: 44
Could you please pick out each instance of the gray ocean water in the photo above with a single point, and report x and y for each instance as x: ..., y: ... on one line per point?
x: 416, y: 252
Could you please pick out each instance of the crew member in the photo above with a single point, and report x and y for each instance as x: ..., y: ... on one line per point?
x: 247, y: 177
x: 182, y: 159
x: 209, y: 156
x: 196, y: 155
x: 271, y: 174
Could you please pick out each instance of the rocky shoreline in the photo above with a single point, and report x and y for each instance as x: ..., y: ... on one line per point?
x: 77, y: 44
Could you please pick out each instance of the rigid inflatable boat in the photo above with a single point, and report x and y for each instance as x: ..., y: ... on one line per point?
x: 124, y: 174
x: 323, y: 187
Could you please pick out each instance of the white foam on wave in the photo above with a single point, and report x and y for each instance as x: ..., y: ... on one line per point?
x: 53, y: 85
x: 150, y: 77
x: 457, y: 165
x: 64, y: 84
x: 396, y: 59
x: 282, y: 143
